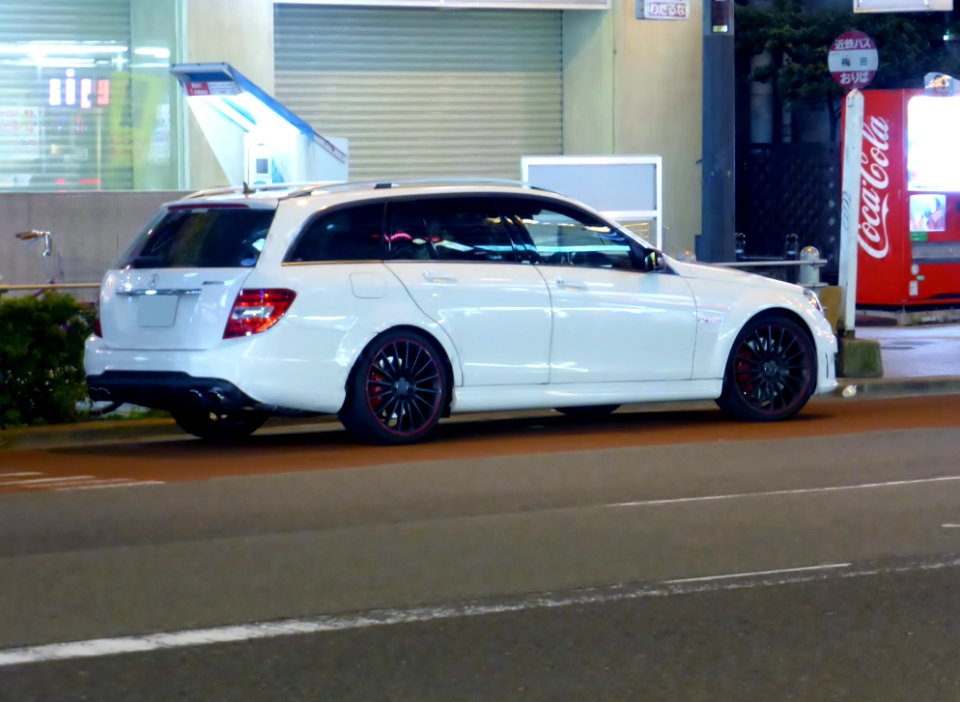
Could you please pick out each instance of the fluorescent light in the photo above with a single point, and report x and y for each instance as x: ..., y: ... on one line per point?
x: 157, y: 52
x: 902, y: 5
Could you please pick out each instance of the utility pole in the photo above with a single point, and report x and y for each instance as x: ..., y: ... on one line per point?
x: 718, y: 166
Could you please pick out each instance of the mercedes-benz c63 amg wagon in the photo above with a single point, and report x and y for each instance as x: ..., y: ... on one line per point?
x: 393, y: 305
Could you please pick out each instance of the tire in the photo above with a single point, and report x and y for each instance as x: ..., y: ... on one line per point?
x: 397, y: 390
x: 771, y: 372
x: 218, y: 426
x: 588, y: 412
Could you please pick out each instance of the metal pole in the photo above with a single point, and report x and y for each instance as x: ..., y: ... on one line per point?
x: 850, y: 209
x: 718, y: 212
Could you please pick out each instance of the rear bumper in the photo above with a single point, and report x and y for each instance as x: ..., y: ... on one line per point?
x: 166, y: 390
x: 170, y: 390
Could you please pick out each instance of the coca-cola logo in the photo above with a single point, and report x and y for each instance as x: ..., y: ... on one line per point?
x: 874, y: 188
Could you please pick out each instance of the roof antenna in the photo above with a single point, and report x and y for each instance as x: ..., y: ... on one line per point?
x: 247, y: 190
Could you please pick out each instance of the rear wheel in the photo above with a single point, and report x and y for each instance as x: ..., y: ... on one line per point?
x: 771, y: 372
x: 397, y: 390
x: 219, y: 426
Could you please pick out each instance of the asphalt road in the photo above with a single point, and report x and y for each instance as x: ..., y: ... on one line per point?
x: 563, y: 561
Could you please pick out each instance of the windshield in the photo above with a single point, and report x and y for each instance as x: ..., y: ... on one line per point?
x: 201, y: 237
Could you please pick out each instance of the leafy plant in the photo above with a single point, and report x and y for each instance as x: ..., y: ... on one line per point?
x: 41, y: 358
x: 794, y: 44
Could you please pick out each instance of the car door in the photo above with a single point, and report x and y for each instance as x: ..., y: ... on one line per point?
x: 455, y: 257
x: 611, y: 321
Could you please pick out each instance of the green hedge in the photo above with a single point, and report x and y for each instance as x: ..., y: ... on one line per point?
x: 41, y: 358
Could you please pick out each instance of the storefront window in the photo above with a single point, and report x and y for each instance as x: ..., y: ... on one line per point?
x: 81, y: 108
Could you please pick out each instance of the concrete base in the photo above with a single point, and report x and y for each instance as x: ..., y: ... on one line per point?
x: 859, y: 358
x: 908, y: 318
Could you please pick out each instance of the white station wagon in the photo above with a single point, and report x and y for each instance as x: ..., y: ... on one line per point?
x: 392, y: 305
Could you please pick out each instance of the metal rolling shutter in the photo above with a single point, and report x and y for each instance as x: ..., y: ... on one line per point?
x: 64, y: 146
x: 424, y: 93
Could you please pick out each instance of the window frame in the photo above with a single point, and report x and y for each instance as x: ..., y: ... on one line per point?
x: 322, y: 214
x: 525, y: 242
x: 491, y: 201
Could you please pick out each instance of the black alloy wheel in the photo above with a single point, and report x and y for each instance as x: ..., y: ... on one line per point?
x: 397, y: 390
x: 219, y: 426
x: 771, y: 372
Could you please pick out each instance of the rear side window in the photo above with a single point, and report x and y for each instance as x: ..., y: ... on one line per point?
x: 347, y: 234
x: 448, y: 229
x: 198, y: 237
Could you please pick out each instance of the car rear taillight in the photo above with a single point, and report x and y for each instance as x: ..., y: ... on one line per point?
x: 255, y: 311
x: 97, y: 329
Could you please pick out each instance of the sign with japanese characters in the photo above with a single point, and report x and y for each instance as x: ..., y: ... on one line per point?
x: 853, y: 60
x: 663, y: 9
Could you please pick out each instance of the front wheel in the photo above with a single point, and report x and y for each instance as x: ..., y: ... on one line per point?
x: 771, y: 372
x: 396, y: 391
x: 218, y: 426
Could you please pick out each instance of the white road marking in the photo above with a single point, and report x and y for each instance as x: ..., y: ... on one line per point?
x: 757, y: 573
x: 19, y: 475
x: 795, y: 491
x: 94, y: 648
x: 46, y: 481
x: 950, y: 526
x: 111, y: 483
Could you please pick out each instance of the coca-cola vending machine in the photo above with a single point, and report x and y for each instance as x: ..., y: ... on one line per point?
x: 909, y: 236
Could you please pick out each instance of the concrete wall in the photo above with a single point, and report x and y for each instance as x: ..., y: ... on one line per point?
x: 91, y: 230
x: 634, y: 87
x: 238, y: 32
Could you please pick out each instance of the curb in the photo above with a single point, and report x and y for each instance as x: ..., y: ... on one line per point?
x: 898, y: 387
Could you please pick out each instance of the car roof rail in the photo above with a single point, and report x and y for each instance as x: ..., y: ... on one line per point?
x: 251, y: 190
x: 407, y: 182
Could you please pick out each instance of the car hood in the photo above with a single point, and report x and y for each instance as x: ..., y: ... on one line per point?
x: 723, y: 274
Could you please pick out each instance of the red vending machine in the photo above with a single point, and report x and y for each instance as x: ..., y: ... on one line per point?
x: 909, y: 237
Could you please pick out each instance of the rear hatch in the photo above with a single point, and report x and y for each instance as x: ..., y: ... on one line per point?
x: 175, y: 285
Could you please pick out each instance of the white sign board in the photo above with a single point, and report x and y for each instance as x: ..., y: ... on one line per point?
x: 663, y: 9
x: 902, y: 5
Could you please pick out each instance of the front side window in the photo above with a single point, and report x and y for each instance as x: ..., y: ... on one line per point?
x: 565, y: 236
x: 201, y: 237
x: 448, y: 229
x: 347, y: 234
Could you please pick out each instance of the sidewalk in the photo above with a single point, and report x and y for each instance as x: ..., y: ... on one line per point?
x: 917, y: 360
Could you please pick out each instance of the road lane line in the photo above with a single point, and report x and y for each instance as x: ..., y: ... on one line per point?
x: 95, y: 648
x: 46, y: 481
x: 757, y: 573
x: 19, y: 475
x: 950, y: 526
x: 110, y: 483
x: 794, y: 491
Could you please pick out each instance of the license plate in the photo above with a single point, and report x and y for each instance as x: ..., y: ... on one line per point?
x: 157, y: 310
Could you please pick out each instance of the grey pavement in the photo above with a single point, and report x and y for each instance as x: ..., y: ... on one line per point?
x: 917, y: 360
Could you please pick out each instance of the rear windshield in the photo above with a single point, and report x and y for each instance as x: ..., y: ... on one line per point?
x: 197, y: 237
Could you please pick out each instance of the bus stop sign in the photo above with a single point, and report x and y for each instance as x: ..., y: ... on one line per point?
x: 853, y: 60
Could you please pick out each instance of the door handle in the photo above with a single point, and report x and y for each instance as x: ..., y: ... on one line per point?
x: 570, y: 284
x: 438, y: 278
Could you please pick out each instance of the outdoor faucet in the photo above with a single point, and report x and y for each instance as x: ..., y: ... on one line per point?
x: 39, y: 234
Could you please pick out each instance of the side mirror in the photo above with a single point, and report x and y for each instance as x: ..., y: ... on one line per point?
x: 653, y: 261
